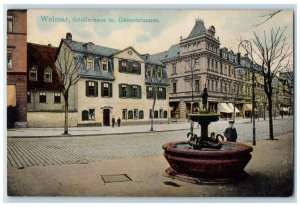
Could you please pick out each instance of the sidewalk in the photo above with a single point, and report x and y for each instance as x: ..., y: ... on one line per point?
x: 271, y: 174
x: 94, y: 131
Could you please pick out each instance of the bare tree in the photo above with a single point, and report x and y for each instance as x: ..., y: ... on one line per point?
x: 272, y: 55
x: 267, y: 17
x: 67, y: 69
x: 154, y: 88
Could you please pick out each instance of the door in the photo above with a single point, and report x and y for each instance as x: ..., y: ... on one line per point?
x: 106, y: 119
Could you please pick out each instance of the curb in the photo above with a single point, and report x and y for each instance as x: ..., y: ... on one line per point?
x: 90, y: 135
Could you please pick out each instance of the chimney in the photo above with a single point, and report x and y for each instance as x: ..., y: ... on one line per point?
x: 69, y: 36
x: 238, y: 58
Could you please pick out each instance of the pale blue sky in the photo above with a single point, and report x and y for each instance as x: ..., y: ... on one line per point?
x: 231, y: 26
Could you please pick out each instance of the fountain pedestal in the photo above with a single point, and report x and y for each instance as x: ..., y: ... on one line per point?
x: 194, y: 162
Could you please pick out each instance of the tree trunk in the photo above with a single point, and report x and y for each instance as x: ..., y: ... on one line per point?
x: 271, y: 133
x: 66, y: 97
x: 152, y: 117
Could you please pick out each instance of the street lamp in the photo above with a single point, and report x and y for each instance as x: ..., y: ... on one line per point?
x: 253, y: 86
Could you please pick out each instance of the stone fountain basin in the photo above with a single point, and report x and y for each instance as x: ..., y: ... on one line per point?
x: 228, y: 162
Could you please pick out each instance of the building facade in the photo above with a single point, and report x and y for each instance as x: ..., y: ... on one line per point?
x: 197, y: 62
x: 16, y: 68
x: 112, y: 83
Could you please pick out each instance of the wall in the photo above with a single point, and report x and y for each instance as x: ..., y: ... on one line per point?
x: 50, y: 119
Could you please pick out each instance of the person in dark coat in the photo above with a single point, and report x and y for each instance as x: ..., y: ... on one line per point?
x: 113, y: 120
x: 230, y: 133
x: 119, y: 122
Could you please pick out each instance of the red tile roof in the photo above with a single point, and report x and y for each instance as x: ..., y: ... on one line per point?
x: 40, y: 57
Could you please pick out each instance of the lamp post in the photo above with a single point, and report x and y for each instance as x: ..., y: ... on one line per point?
x: 253, y: 89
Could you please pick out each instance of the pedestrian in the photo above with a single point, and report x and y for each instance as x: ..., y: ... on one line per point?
x: 119, y: 122
x: 113, y: 121
x: 230, y: 133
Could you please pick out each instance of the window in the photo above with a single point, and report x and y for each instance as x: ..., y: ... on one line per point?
x: 149, y: 92
x: 90, y: 63
x: 124, y: 114
x: 174, y: 87
x: 104, y: 65
x: 161, y: 113
x: 212, y: 85
x: 57, y: 98
x: 130, y: 114
x: 174, y: 68
x: 88, y: 115
x: 148, y: 72
x: 134, y: 68
x: 91, y: 88
x: 135, y: 114
x: 161, y: 93
x: 90, y: 47
x: 151, y: 113
x: 84, y: 115
x: 48, y: 75
x: 197, y: 64
x: 165, y: 114
x: 208, y: 84
x: 197, y: 85
x: 124, y: 66
x: 91, y: 114
x: 9, y: 24
x: 42, y: 97
x: 9, y: 61
x: 155, y: 114
x: 159, y: 73
x: 106, y: 89
x: 134, y: 91
x: 216, y: 85
x: 141, y: 114
x: 208, y: 63
x: 28, y: 97
x: 124, y: 91
x: 33, y: 74
x: 221, y: 68
x: 226, y: 88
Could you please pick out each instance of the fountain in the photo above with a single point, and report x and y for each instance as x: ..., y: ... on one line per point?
x: 203, y: 157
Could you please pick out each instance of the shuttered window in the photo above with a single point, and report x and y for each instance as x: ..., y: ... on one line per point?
x: 91, y: 88
x: 106, y: 89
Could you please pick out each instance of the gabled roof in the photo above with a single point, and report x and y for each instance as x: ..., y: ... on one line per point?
x: 98, y: 50
x: 129, y: 48
x: 198, y: 30
x: 41, y: 57
x: 172, y: 52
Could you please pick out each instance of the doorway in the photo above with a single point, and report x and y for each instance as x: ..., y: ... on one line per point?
x: 106, y: 119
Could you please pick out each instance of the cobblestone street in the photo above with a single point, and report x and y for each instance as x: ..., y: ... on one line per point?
x: 27, y: 152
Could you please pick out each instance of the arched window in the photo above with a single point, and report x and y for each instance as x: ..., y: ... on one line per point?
x: 165, y: 114
x: 85, y: 115
x: 130, y: 114
x: 141, y: 114
x: 155, y: 114
x: 90, y: 63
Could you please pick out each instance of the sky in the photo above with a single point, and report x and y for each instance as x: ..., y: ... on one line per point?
x: 231, y: 26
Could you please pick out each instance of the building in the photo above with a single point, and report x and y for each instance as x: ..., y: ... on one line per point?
x: 45, y: 104
x: 16, y: 68
x: 112, y: 83
x: 197, y: 62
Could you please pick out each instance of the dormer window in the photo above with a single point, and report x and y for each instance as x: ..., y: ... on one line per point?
x: 148, y: 72
x: 33, y: 74
x: 104, y: 64
x: 90, y: 47
x: 159, y: 73
x: 48, y: 75
x: 90, y: 63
